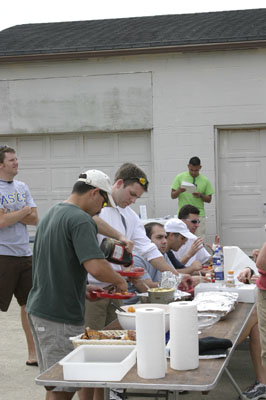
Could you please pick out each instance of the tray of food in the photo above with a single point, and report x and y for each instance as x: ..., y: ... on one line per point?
x: 136, y: 272
x: 105, y: 337
x: 112, y: 295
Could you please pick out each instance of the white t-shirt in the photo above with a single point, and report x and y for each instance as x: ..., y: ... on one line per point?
x: 134, y: 231
x: 202, y: 254
x: 14, y: 239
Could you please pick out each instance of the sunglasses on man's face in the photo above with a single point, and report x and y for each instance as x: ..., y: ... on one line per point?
x: 194, y: 221
x: 105, y: 197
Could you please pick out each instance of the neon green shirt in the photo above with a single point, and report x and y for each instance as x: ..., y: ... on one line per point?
x: 203, y: 186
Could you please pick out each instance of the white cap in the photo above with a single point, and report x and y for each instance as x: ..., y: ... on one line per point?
x: 99, y: 180
x: 175, y: 225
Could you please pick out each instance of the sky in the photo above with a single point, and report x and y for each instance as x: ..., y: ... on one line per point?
x: 17, y: 12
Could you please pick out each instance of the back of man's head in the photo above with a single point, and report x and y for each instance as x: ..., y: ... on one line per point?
x: 186, y: 210
x: 195, y: 161
x: 131, y: 173
x: 92, y: 179
x: 3, y: 150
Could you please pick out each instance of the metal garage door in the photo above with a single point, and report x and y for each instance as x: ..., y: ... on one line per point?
x: 50, y: 164
x: 242, y: 187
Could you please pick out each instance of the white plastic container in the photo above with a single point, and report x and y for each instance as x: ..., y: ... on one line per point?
x: 247, y: 293
x: 98, y: 363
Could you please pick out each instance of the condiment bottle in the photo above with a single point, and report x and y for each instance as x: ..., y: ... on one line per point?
x: 115, y: 252
x: 230, y: 278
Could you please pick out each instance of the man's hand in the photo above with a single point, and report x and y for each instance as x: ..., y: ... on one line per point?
x: 196, y: 246
x: 196, y: 266
x: 246, y: 276
x: 92, y: 288
x: 255, y: 254
x: 127, y: 243
x: 197, y: 194
x: 186, y: 282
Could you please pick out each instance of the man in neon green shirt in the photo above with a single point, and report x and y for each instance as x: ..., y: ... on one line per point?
x: 203, y: 192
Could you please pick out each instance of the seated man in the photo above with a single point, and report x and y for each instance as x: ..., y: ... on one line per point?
x: 176, y: 235
x: 193, y: 249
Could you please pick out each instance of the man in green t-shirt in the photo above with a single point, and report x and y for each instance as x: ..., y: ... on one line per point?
x: 195, y: 195
x: 65, y: 250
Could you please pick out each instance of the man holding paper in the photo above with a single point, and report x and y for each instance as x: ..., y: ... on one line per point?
x: 191, y: 187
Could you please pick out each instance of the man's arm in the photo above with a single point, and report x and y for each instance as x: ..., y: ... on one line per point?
x: 206, y: 198
x: 261, y: 259
x: 11, y: 218
x: 32, y: 218
x: 195, y: 247
x: 176, y: 193
x: 106, y: 230
x: 101, y: 270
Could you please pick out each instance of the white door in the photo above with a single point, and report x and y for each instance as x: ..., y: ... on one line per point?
x: 241, y: 203
x: 50, y: 164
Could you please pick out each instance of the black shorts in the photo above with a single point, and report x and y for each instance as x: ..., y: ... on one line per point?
x: 15, y: 279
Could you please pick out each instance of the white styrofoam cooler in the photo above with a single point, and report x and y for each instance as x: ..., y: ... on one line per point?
x: 98, y: 363
x: 247, y: 293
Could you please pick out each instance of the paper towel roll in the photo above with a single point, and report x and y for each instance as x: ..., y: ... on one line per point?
x: 150, y: 337
x: 184, y: 342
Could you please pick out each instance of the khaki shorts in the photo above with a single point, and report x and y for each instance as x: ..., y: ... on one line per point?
x: 261, y: 308
x: 52, y: 342
x: 15, y: 279
x: 100, y: 313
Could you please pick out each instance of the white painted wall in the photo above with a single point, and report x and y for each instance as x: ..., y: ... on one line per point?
x: 181, y: 98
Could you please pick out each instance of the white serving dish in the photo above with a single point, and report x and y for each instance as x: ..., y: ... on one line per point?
x: 127, y: 320
x: 95, y: 363
x: 246, y: 293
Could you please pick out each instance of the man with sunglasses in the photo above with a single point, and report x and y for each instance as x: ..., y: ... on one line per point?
x: 17, y: 210
x: 193, y: 249
x: 65, y: 250
x: 202, y: 194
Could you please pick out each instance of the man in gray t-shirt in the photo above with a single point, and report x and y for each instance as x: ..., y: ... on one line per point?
x: 17, y: 210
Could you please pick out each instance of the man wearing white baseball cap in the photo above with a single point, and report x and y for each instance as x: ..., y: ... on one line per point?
x: 175, y: 225
x: 65, y: 250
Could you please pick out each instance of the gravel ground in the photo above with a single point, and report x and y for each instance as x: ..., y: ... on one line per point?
x: 17, y: 379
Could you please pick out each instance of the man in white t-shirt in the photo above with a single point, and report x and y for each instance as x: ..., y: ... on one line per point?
x: 193, y: 249
x: 17, y: 211
x: 129, y: 184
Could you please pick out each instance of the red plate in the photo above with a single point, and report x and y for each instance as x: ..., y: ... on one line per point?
x: 134, y: 272
x: 105, y: 294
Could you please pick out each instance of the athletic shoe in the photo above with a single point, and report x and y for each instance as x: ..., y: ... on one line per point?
x: 115, y: 395
x: 257, y: 392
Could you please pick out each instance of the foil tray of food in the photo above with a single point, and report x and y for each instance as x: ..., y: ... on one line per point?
x: 105, y: 337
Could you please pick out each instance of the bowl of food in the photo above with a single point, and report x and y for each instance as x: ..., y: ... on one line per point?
x: 161, y: 295
x: 127, y: 319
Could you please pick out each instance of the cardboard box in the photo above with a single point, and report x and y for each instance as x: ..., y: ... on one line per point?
x: 247, y: 293
x: 98, y: 363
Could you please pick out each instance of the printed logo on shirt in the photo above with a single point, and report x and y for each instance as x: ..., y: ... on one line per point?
x: 12, y: 198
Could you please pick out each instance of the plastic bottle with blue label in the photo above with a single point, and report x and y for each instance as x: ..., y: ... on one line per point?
x: 219, y: 271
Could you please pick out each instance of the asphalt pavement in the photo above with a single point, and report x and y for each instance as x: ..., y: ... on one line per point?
x: 17, y: 379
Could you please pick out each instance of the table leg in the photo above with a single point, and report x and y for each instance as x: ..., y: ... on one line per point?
x: 106, y: 393
x: 234, y: 383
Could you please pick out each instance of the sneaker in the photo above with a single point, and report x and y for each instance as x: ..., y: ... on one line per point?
x: 257, y: 392
x: 250, y: 387
x: 115, y: 395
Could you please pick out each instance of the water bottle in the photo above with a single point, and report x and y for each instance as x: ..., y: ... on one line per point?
x: 220, y: 254
x: 215, y: 258
x: 219, y: 271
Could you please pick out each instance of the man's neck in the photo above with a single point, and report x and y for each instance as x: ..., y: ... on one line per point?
x: 6, y: 178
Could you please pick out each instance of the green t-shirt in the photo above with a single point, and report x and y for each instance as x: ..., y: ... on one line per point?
x: 203, y: 186
x: 65, y: 238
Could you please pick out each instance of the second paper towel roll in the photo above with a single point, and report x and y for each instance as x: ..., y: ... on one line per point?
x: 184, y: 342
x: 150, y: 337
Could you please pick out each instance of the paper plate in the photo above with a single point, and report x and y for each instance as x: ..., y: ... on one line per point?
x: 105, y: 294
x: 134, y: 272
